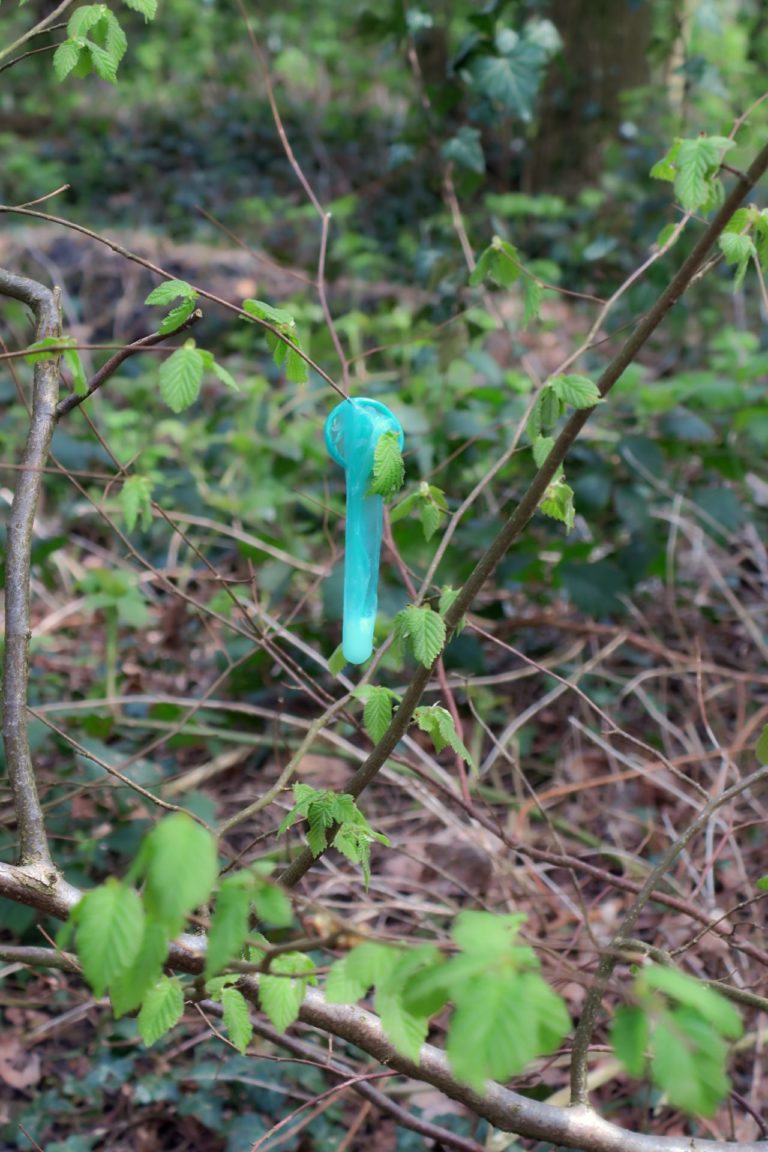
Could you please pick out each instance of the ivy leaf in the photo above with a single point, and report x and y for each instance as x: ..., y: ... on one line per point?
x: 511, y: 80
x: 388, y: 466
x: 162, y: 1008
x: 229, y: 923
x: 181, y: 376
x: 466, y: 150
x: 424, y: 629
x: 439, y: 725
x: 136, y: 502
x: 110, y: 925
x: 577, y: 391
x: 237, y: 1018
x: 180, y: 862
x: 65, y: 58
x: 281, y: 996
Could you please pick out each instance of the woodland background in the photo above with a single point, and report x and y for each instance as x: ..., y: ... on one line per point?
x: 600, y: 670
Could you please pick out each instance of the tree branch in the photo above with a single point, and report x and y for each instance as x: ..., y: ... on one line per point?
x: 534, y: 494
x: 33, y: 842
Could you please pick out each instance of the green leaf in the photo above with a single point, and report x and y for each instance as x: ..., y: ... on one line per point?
x: 162, y: 1008
x: 115, y: 40
x: 226, y: 377
x: 431, y: 518
x: 65, y: 58
x: 176, y: 317
x: 688, y: 1064
x: 72, y: 360
x: 49, y: 348
x: 558, y: 503
x: 424, y: 629
x: 136, y: 502
x: 363, y: 967
x: 272, y: 905
x: 279, y: 317
x: 542, y: 446
x: 237, y: 1018
x: 377, y: 713
x: 533, y: 294
x: 85, y: 18
x: 147, y: 8
x: 762, y: 884
x: 180, y: 863
x: 491, y: 935
x: 181, y: 376
x: 697, y: 163
x: 466, y: 150
x: 629, y: 1037
x: 500, y: 262
x: 127, y: 990
x: 402, y: 1028
x: 110, y: 924
x: 104, y: 63
x: 229, y: 923
x: 337, y: 662
x: 439, y: 724
x: 388, y: 466
x: 692, y: 993
x: 296, y: 368
x: 577, y: 391
x: 405, y: 507
x: 511, y: 80
x: 550, y: 407
x: 171, y: 290
x: 281, y: 996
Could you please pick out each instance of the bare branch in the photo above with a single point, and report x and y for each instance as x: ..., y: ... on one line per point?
x: 33, y: 842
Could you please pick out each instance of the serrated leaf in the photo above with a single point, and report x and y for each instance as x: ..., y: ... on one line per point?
x: 115, y: 41
x: 500, y: 262
x: 431, y: 518
x: 136, y: 502
x: 180, y: 377
x: 65, y: 58
x: 364, y: 966
x: 439, y: 725
x: 533, y: 293
x: 221, y: 373
x: 147, y: 8
x: 542, y: 446
x: 237, y: 1018
x: 341, y: 987
x: 578, y: 391
x: 279, y: 317
x: 629, y: 1037
x: 550, y: 408
x: 84, y: 18
x: 229, y: 924
x: 688, y: 1064
x: 406, y: 1031
x: 171, y: 290
x: 377, y: 714
x: 687, y: 990
x: 405, y: 507
x: 737, y: 247
x: 110, y: 925
x: 176, y: 317
x: 425, y: 631
x: 128, y: 989
x: 272, y: 905
x: 697, y: 162
x: 558, y: 503
x: 388, y: 466
x: 180, y: 864
x: 162, y: 1008
x: 103, y: 62
x: 281, y: 996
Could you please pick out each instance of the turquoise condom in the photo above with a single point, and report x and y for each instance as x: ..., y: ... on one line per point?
x: 352, y: 432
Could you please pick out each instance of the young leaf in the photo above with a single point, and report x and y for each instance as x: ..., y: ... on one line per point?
x: 136, y: 502
x: 542, y: 446
x: 363, y: 967
x: 279, y: 317
x: 550, y: 407
x: 558, y: 503
x: 104, y: 64
x: 337, y: 661
x: 72, y: 360
x: 577, y: 391
x: 176, y: 317
x: 171, y: 290
x: 110, y: 924
x: 692, y: 993
x: 162, y: 1008
x: 533, y: 293
x: 500, y: 262
x: 229, y: 923
x: 629, y: 1037
x: 697, y: 163
x: 425, y: 629
x: 438, y: 723
x: 281, y: 997
x: 84, y: 18
x: 180, y: 863
x: 65, y: 58
x: 181, y: 376
x: 377, y: 712
x: 272, y: 904
x: 147, y: 8
x: 128, y: 989
x: 388, y: 466
x: 402, y: 1028
x: 688, y: 1063
x: 237, y: 1018
x: 226, y: 377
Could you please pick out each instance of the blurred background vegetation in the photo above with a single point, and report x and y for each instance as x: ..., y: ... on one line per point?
x: 425, y: 129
